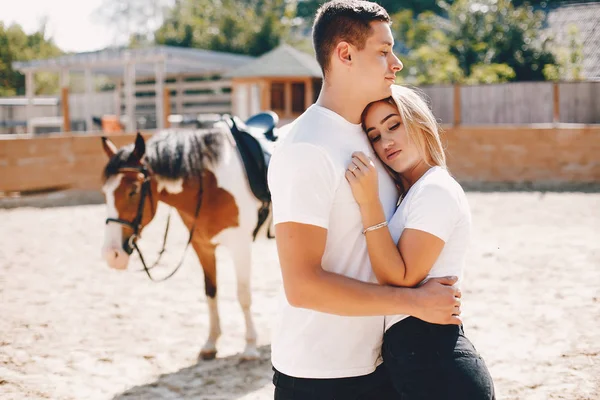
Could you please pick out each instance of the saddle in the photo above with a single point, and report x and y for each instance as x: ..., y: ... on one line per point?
x: 254, y: 155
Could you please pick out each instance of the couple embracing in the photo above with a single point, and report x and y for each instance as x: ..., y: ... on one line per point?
x: 372, y: 233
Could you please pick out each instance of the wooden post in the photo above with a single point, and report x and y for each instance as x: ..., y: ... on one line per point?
x: 233, y: 94
x: 287, y: 99
x: 266, y: 94
x: 159, y: 91
x: 64, y: 98
x: 556, y: 103
x: 118, y: 99
x: 457, y: 105
x: 29, y: 92
x: 167, y: 107
x: 88, y: 100
x: 180, y: 84
x: 130, y: 96
x: 308, y: 93
x: 65, y: 109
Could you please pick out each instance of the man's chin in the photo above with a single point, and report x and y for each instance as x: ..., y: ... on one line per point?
x: 384, y: 94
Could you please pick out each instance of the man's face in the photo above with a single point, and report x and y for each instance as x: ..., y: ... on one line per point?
x: 374, y: 67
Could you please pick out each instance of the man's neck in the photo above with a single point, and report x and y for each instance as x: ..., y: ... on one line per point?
x: 341, y: 100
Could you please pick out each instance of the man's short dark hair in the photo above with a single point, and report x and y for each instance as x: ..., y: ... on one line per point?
x: 344, y: 20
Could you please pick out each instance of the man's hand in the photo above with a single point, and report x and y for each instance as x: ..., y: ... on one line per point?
x: 438, y: 302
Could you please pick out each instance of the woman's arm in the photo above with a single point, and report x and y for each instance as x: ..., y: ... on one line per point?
x: 406, y: 263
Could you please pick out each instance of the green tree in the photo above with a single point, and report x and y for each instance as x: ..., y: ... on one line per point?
x: 308, y: 8
x: 426, y: 42
x: 569, y: 59
x: 490, y: 73
x: 246, y: 27
x: 496, y: 32
x: 133, y: 20
x: 16, y: 45
x: 431, y: 62
x: 410, y: 32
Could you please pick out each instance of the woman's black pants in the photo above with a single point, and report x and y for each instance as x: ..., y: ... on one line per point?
x: 437, y: 362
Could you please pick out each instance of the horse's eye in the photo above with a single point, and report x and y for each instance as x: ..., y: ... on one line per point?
x: 133, y: 192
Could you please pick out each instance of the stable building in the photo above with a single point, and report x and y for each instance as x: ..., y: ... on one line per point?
x: 284, y: 80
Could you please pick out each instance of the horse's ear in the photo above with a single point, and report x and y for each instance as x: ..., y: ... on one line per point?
x: 109, y: 147
x: 140, y: 147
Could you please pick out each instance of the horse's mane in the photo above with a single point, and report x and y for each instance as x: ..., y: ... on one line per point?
x: 174, y: 153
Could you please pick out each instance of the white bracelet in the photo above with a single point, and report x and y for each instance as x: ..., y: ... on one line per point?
x: 374, y: 227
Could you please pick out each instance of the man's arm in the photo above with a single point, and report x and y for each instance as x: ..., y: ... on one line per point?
x: 307, y: 285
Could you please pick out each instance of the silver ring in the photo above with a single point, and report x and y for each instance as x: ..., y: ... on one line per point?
x: 354, y: 169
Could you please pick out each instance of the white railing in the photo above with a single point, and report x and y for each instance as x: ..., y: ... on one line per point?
x: 186, y: 97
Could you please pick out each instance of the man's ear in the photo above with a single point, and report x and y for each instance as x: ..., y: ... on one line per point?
x: 343, y: 52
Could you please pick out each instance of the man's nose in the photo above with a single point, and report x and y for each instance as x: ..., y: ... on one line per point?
x: 396, y: 64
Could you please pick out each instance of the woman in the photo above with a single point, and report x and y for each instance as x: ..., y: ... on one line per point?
x: 427, y: 237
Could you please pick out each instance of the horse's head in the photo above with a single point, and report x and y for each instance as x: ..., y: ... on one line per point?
x: 131, y: 199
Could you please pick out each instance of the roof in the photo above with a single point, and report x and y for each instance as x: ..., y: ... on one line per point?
x: 586, y: 17
x: 111, y: 61
x: 282, y: 61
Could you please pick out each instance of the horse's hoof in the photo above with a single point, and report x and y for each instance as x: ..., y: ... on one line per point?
x: 207, y: 355
x: 250, y: 354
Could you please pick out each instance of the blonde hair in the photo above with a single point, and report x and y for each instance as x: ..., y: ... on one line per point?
x: 421, y: 126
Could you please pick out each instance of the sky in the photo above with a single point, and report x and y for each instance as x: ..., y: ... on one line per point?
x: 71, y: 23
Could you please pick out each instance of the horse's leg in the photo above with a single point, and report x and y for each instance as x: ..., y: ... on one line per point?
x: 240, y: 247
x: 206, y: 255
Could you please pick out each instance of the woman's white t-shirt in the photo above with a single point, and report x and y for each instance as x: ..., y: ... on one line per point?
x: 436, y: 204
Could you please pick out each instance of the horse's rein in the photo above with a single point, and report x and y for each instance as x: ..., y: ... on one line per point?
x: 131, y: 244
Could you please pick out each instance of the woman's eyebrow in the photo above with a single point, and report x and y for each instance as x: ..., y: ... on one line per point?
x: 382, y: 121
x: 388, y: 117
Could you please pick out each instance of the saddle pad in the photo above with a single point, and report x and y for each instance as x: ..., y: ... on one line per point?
x: 254, y: 159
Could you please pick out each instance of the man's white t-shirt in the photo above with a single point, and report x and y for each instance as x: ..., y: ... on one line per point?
x: 436, y: 204
x: 308, y: 186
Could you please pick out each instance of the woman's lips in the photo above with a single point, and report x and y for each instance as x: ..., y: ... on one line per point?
x: 393, y: 155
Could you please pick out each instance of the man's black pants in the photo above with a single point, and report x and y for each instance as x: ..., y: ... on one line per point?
x: 376, y: 385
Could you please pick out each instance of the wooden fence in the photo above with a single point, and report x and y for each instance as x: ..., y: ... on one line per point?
x: 508, y: 103
x: 551, y: 155
x: 516, y: 103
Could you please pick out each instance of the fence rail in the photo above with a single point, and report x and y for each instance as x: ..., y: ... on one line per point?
x: 508, y: 103
x: 517, y: 103
x: 187, y: 97
x: 518, y: 154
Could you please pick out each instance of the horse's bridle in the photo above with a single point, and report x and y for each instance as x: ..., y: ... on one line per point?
x: 136, y: 224
x: 130, y: 244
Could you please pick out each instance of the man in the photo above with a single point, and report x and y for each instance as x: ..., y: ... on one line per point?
x: 327, y: 339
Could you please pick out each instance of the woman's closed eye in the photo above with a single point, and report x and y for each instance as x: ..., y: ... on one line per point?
x: 375, y: 138
x: 395, y: 126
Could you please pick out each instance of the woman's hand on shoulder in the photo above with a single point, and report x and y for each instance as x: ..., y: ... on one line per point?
x: 362, y: 176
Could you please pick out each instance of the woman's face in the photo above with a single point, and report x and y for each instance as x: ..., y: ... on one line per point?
x: 389, y: 138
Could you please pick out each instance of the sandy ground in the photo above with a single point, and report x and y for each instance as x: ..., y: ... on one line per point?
x: 70, y: 328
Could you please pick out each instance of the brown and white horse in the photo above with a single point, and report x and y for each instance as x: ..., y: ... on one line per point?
x: 199, y: 173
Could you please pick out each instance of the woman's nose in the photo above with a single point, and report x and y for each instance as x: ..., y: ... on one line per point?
x: 387, y: 143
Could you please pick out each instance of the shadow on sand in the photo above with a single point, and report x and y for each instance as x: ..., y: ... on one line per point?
x: 226, y: 378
